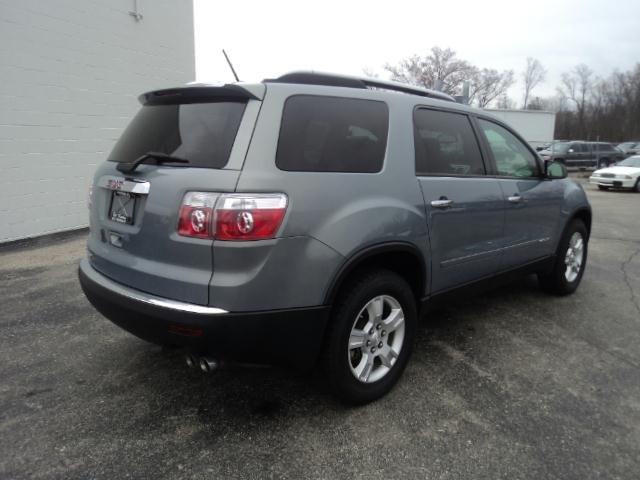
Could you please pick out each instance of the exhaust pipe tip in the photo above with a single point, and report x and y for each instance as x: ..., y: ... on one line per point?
x: 208, y: 365
x: 191, y: 360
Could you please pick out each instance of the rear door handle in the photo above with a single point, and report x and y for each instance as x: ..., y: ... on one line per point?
x: 442, y: 203
x: 515, y: 198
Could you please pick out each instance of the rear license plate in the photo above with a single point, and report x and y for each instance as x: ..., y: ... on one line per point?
x: 123, y: 207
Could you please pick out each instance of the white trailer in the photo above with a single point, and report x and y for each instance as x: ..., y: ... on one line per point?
x: 535, y: 126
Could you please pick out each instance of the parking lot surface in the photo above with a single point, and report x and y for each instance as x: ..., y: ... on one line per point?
x: 508, y: 384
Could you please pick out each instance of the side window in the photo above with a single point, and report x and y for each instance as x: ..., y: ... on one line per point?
x: 512, y: 158
x: 330, y: 134
x: 586, y: 147
x: 445, y: 144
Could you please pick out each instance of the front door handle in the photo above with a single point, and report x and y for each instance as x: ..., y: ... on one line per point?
x: 515, y: 198
x: 443, y: 202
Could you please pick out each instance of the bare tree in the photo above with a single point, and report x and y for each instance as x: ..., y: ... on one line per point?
x: 532, y: 76
x: 576, y: 86
x: 505, y: 102
x: 440, y: 69
x: 488, y: 84
x: 536, y: 103
x: 605, y: 108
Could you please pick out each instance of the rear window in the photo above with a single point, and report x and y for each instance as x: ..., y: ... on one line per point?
x: 580, y: 148
x: 202, y: 133
x: 560, y: 147
x: 606, y: 147
x: 330, y: 134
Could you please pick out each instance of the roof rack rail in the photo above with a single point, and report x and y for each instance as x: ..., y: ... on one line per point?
x: 333, y: 80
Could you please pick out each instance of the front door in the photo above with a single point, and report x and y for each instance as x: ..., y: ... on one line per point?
x: 464, y: 207
x: 576, y: 155
x: 532, y: 203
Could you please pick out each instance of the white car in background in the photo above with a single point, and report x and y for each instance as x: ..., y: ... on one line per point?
x: 624, y: 174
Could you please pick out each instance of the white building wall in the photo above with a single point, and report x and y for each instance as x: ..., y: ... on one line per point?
x: 536, y: 126
x: 70, y: 72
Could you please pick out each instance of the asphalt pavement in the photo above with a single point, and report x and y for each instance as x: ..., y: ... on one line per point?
x: 508, y: 384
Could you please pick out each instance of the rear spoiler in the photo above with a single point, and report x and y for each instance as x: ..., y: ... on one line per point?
x: 202, y: 94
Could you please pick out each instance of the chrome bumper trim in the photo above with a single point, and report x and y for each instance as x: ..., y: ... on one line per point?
x: 143, y: 297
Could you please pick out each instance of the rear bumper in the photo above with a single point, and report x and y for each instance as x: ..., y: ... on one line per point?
x: 293, y: 337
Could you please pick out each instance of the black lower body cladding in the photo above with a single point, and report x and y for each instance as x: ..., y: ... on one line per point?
x: 286, y: 337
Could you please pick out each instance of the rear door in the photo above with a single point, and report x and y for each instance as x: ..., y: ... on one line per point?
x: 134, y: 215
x: 465, y: 209
x: 532, y: 203
x: 592, y: 154
x: 607, y: 154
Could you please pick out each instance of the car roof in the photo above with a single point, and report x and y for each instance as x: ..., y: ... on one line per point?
x: 333, y: 80
x: 320, y: 83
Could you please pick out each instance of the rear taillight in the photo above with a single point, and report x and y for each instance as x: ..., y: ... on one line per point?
x: 233, y: 216
x: 196, y: 214
x: 240, y: 216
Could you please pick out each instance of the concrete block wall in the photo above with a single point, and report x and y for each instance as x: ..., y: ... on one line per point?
x: 70, y: 72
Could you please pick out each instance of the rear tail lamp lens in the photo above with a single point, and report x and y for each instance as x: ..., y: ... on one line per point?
x: 234, y: 216
x: 249, y: 216
x: 196, y: 214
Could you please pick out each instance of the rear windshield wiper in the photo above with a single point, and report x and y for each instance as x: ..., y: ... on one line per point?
x: 159, y: 157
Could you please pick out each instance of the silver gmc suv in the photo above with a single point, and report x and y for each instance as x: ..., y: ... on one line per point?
x: 312, y: 217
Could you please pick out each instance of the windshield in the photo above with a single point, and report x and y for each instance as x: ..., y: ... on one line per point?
x: 202, y: 133
x: 630, y: 162
x: 626, y: 145
x: 560, y: 147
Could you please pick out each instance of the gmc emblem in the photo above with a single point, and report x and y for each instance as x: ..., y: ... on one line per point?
x: 114, y: 184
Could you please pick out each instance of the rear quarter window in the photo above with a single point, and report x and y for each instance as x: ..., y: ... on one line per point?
x: 332, y: 134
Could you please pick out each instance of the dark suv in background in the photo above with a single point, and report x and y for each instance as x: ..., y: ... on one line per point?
x: 583, y: 154
x: 312, y: 217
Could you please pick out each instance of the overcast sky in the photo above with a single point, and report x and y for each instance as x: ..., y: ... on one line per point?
x: 268, y: 38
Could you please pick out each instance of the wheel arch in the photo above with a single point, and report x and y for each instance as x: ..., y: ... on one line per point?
x: 403, y: 258
x: 584, y: 214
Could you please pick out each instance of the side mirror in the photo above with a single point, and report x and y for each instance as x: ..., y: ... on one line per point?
x: 571, y: 150
x: 555, y: 169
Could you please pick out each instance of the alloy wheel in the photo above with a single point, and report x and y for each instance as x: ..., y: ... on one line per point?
x: 376, y: 339
x: 574, y: 257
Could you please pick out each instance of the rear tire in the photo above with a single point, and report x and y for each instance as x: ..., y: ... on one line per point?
x: 368, y: 344
x: 571, y: 259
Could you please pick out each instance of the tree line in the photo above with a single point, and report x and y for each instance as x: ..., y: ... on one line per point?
x: 587, y: 107
x: 593, y: 108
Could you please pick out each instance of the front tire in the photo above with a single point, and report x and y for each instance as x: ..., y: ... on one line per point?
x: 571, y: 259
x: 370, y: 337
